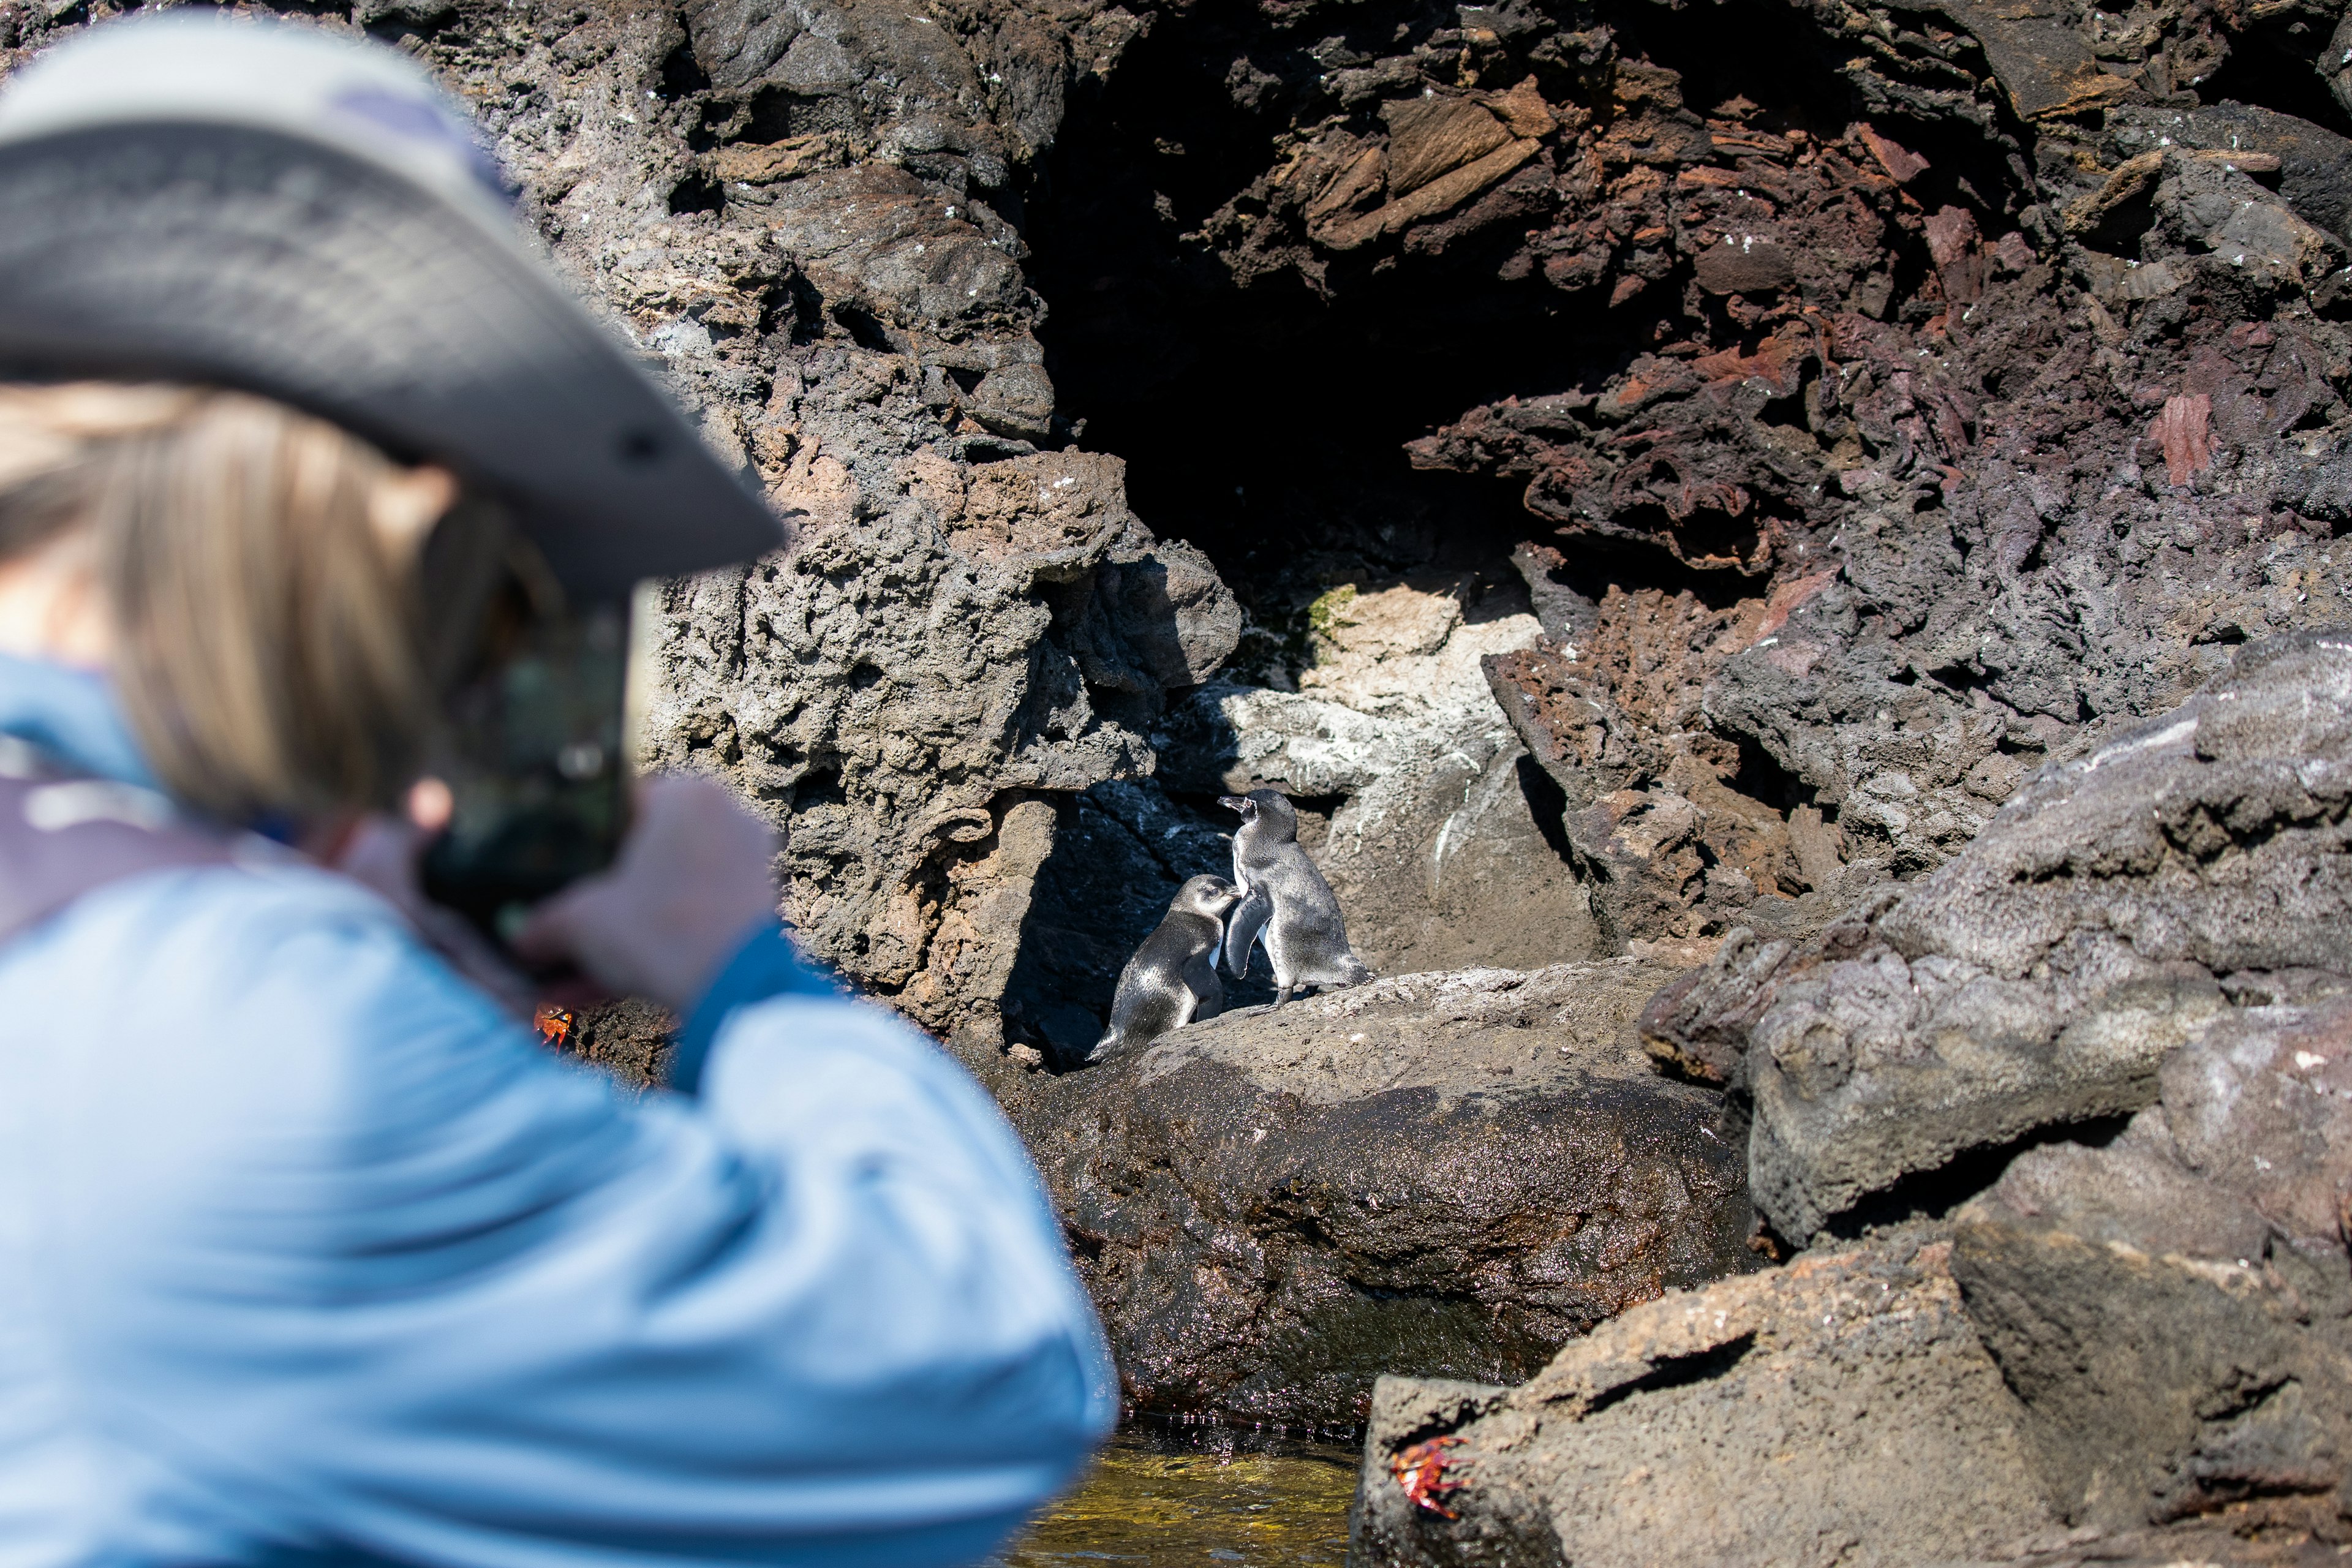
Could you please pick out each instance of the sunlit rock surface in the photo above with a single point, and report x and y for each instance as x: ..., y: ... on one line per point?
x: 2157, y: 918
x: 2093, y: 1073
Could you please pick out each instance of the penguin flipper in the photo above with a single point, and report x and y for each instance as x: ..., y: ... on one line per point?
x: 1242, y: 924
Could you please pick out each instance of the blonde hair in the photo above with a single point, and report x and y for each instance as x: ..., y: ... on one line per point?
x: 267, y: 649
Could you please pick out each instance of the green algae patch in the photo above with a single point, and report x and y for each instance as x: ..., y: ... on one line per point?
x: 1331, y: 610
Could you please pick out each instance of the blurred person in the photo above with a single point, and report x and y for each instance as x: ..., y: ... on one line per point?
x: 308, y: 1252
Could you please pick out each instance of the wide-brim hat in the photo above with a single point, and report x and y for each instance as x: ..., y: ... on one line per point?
x: 267, y: 206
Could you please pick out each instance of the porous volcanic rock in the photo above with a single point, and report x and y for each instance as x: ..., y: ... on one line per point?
x: 2128, y: 908
x: 787, y: 209
x: 1840, y: 1410
x: 2106, y: 1051
x: 1905, y: 397
x: 1669, y: 846
x: 2008, y: 1393
x: 1451, y: 1174
x: 1897, y: 397
x: 906, y: 690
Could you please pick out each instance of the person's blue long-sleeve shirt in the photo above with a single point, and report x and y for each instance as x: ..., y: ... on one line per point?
x: 307, y: 1253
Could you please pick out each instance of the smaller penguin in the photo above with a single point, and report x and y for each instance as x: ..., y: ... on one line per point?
x: 1285, y: 902
x: 1172, y: 979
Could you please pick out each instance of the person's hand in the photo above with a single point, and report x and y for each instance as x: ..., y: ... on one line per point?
x: 693, y: 881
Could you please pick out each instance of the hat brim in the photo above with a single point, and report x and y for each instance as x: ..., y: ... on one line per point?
x: 249, y: 258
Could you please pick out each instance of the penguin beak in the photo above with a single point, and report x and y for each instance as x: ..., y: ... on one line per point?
x: 1240, y: 802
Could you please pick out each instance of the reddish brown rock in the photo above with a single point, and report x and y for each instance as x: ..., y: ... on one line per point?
x: 2185, y: 430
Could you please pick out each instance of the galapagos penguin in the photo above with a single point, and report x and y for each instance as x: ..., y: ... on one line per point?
x: 1172, y: 978
x: 1285, y: 902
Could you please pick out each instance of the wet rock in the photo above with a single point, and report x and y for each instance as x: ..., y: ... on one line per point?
x: 1448, y: 1173
x: 1841, y: 1410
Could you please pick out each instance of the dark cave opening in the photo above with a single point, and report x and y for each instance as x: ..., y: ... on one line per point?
x: 1263, y: 407
x: 698, y: 192
x: 1260, y: 419
x: 1759, y: 777
x: 1262, y: 399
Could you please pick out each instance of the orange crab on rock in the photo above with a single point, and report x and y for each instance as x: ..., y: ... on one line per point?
x: 1420, y: 1469
x: 555, y: 1025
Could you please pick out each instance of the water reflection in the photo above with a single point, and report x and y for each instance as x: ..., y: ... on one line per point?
x: 1166, y: 1495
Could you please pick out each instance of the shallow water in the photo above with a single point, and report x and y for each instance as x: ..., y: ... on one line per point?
x: 1201, y: 1497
